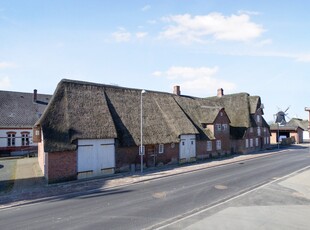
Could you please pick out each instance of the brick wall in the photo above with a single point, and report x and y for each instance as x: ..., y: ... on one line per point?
x: 61, y: 166
x: 127, y: 156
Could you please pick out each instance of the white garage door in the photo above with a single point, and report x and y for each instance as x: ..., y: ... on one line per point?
x: 95, y: 157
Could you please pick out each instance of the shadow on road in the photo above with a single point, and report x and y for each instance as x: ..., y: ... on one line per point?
x: 34, y: 188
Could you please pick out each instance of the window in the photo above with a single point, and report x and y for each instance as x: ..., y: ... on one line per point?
x: 251, y: 130
x: 258, y: 131
x: 141, y: 151
x: 256, y: 142
x: 218, y: 127
x: 209, y: 145
x: 247, y: 143
x: 11, y: 139
x: 258, y: 118
x: 251, y: 143
x: 218, y: 144
x: 265, y: 129
x: 161, y: 148
x: 25, y: 139
x: 224, y: 127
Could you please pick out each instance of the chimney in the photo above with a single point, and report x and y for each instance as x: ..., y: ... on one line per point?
x: 220, y: 92
x: 35, y: 95
x: 176, y: 90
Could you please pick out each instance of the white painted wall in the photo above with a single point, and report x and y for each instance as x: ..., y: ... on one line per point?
x: 18, y: 137
x: 306, y: 135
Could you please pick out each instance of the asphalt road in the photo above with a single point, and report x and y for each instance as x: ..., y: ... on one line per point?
x: 153, y: 203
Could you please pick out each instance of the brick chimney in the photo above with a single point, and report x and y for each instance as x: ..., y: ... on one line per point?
x: 176, y: 90
x: 35, y: 95
x: 220, y: 92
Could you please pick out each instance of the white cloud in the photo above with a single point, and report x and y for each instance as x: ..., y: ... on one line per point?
x: 122, y: 35
x: 303, y: 58
x: 146, y: 8
x: 248, y: 12
x: 5, y: 82
x: 4, y: 65
x: 152, y: 22
x: 196, y: 81
x: 141, y: 35
x: 200, y: 28
x: 264, y: 42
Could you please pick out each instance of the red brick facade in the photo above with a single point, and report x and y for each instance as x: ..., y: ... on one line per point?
x: 125, y: 157
x: 61, y: 166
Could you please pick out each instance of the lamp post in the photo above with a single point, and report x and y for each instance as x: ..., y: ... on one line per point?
x: 308, y: 110
x: 141, y: 152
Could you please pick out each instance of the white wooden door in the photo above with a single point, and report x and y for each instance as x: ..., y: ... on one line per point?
x: 94, y: 156
x: 187, y: 147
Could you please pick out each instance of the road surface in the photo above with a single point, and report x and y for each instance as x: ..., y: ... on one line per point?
x: 157, y: 202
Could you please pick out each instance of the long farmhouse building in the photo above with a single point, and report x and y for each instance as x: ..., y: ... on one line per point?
x: 91, y: 129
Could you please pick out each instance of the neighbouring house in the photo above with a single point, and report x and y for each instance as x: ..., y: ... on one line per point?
x: 248, y: 129
x: 212, y: 123
x: 18, y: 113
x: 304, y: 124
x: 91, y: 129
x: 294, y: 129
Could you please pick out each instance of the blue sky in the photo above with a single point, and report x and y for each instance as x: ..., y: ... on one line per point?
x: 258, y: 47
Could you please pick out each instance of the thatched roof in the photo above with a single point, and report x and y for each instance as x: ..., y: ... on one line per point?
x: 18, y: 110
x: 304, y: 124
x: 199, y: 112
x: 237, y: 107
x: 83, y: 110
x: 240, y: 109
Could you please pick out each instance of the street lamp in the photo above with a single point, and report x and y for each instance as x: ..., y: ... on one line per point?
x: 141, y: 152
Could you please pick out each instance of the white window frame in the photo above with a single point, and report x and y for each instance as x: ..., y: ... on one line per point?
x: 259, y: 132
x: 251, y: 143
x: 11, y: 139
x: 246, y: 143
x: 209, y: 145
x: 143, y: 150
x: 225, y: 127
x: 218, y: 127
x: 25, y: 139
x: 218, y: 144
x: 161, y: 148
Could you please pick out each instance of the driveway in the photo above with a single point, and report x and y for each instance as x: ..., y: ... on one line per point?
x: 7, y: 174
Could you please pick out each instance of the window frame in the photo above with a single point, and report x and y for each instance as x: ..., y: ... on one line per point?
x: 161, y: 148
x: 209, y: 146
x: 218, y: 145
x: 11, y: 139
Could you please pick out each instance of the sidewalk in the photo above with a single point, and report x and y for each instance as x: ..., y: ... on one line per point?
x: 30, y: 186
x: 283, y: 204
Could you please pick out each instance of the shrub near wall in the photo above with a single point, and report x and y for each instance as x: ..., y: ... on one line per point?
x: 62, y: 166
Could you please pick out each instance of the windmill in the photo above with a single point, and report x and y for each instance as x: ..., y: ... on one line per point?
x: 280, y: 120
x: 280, y: 116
